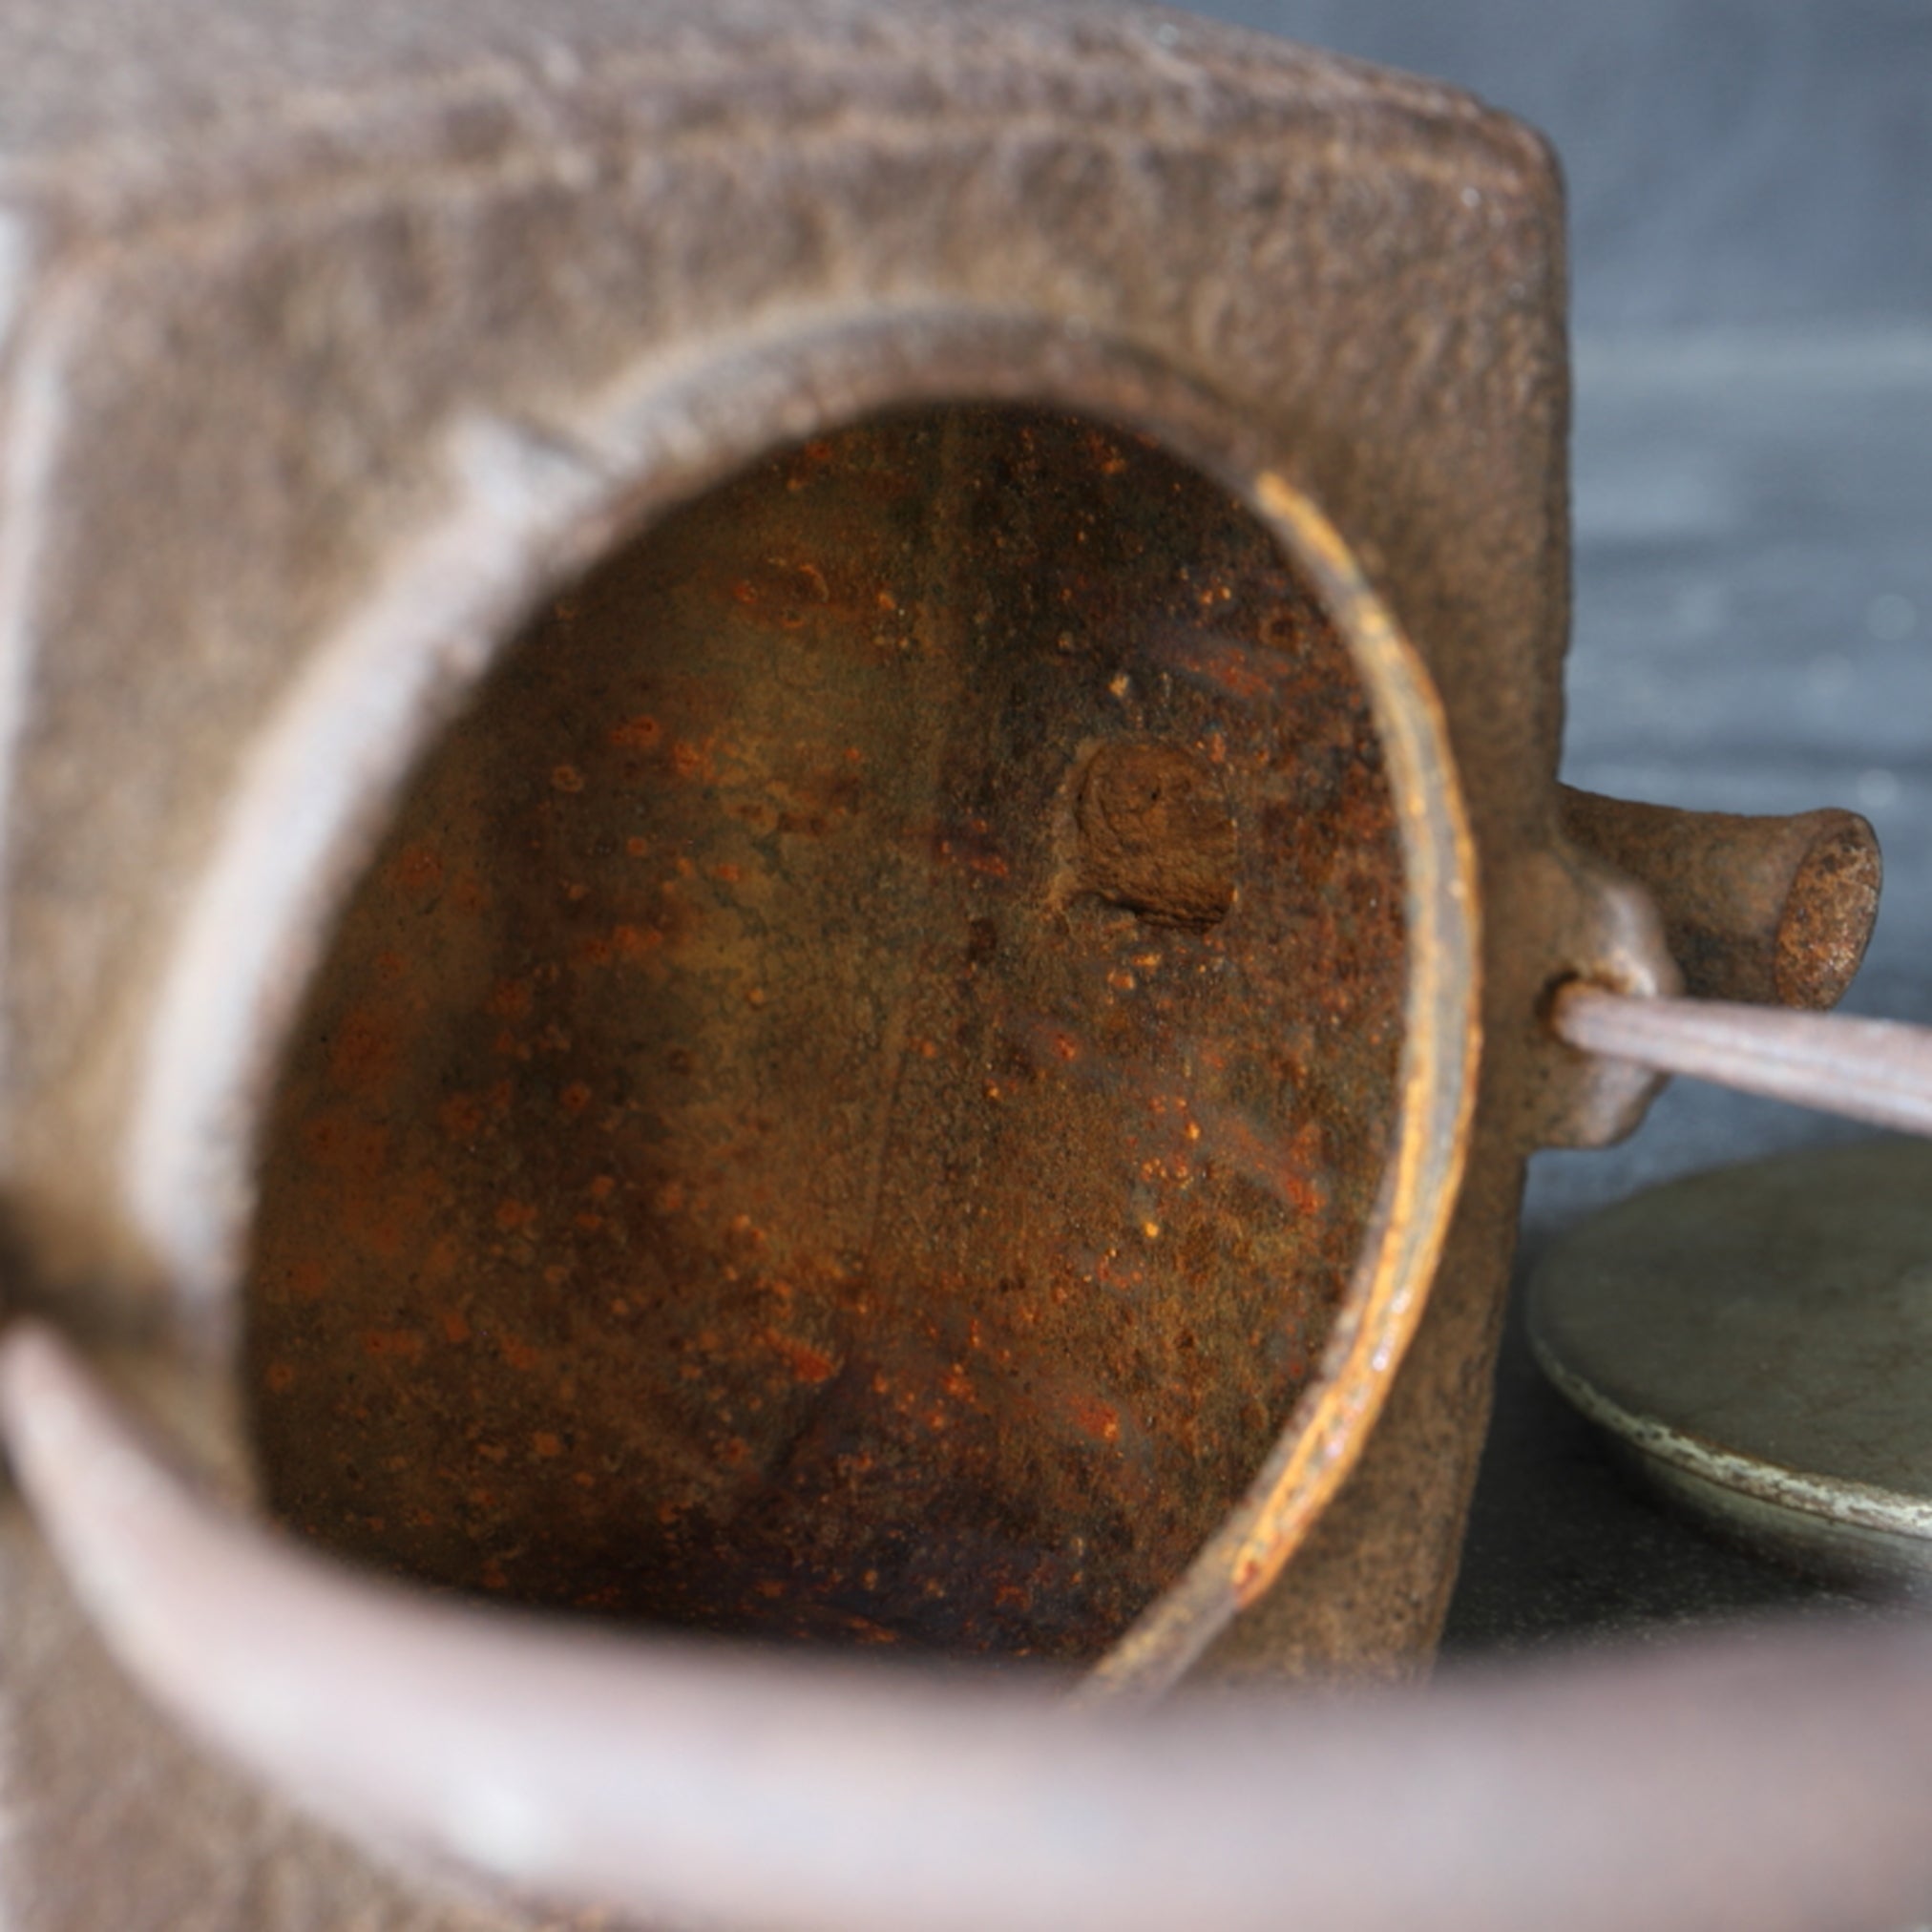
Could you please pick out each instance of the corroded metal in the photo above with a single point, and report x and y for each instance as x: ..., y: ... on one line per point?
x: 831, y: 874
x: 1777, y: 911
x: 890, y: 1159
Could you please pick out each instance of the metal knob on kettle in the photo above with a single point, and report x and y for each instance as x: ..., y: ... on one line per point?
x: 782, y: 863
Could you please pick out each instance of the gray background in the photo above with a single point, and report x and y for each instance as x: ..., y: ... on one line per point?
x: 1750, y: 200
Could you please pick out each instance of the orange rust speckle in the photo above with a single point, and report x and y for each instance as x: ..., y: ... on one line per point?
x: 445, y: 1257
x: 1094, y: 1418
x: 687, y: 760
x: 557, y: 1273
x: 956, y: 1385
x: 574, y: 1098
x: 584, y: 1480
x: 807, y: 1363
x: 735, y: 1453
x: 492, y: 1578
x: 637, y: 848
x: 363, y: 1053
x: 730, y: 875
x: 510, y: 999
x: 509, y: 1046
x: 636, y: 942
x: 348, y: 1147
x: 744, y: 592
x: 388, y: 966
x: 404, y: 1345
x: 1065, y: 1046
x: 1121, y: 982
x: 546, y: 1443
x: 755, y: 996
x: 470, y: 895
x: 519, y: 1356
x: 308, y: 1280
x: 454, y: 1324
x: 636, y: 734
x: 1011, y: 1597
x: 602, y: 1188
x: 462, y: 1117
x: 619, y: 1306
x: 769, y: 1586
x: 280, y: 1378
x: 567, y: 778
x: 593, y: 949
x: 417, y: 868
x: 512, y: 1214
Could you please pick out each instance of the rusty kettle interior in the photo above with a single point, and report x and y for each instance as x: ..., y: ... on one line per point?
x: 850, y: 1095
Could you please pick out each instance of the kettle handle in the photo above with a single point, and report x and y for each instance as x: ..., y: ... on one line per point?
x: 1875, y: 1070
x: 683, y: 1781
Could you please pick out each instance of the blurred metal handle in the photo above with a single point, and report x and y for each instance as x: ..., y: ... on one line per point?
x: 1782, y: 1783
x: 1876, y: 1070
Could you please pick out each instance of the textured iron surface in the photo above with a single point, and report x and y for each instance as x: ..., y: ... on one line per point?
x: 367, y: 385
x: 850, y: 1094
x: 1777, y: 910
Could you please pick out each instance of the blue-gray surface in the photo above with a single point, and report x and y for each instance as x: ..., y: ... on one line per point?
x: 1751, y: 192
x: 1754, y: 633
x: 1744, y: 160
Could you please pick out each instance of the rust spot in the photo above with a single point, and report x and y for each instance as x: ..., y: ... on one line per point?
x: 634, y: 942
x: 417, y: 868
x: 404, y: 1345
x: 1155, y: 833
x: 511, y: 998
x: 362, y: 1054
x: 805, y: 1363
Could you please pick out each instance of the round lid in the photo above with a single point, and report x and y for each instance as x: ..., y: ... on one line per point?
x: 1761, y: 1336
